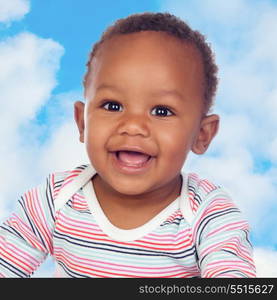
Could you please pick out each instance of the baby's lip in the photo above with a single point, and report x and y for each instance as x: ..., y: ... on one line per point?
x: 137, y: 149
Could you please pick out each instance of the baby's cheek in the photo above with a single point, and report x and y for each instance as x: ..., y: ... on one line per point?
x: 92, y: 142
x: 176, y: 153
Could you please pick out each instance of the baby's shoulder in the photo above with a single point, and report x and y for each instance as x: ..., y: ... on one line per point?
x: 59, y: 180
x: 202, y: 192
x: 200, y: 186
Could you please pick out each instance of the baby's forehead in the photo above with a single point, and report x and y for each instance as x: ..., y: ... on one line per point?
x: 149, y: 49
x: 145, y: 39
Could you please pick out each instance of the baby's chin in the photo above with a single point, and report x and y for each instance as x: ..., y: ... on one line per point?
x: 131, y: 186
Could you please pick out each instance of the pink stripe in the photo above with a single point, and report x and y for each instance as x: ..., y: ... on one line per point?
x: 215, y: 247
x: 92, y: 262
x: 20, y: 226
x: 45, y: 229
x: 74, y: 223
x: 218, y: 267
x: 168, y: 271
x: 178, y: 235
x: 33, y: 209
x: 229, y: 227
x: 22, y: 254
x: 18, y: 258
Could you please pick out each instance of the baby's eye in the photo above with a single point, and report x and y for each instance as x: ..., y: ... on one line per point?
x: 161, y: 111
x: 112, y: 106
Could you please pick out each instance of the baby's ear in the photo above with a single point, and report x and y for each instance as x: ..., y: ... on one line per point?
x: 208, y: 129
x: 79, y: 118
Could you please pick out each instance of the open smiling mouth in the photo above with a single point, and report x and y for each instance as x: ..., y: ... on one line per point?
x: 132, y: 158
x: 131, y: 161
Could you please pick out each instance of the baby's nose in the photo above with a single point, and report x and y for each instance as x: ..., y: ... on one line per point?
x: 134, y: 125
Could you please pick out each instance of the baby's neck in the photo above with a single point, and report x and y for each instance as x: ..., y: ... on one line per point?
x: 127, y: 212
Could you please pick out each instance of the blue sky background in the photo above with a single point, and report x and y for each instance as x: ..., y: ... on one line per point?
x: 76, y: 25
x: 44, y: 46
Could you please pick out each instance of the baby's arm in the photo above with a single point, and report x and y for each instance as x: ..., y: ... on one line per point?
x: 222, y: 239
x: 26, y: 236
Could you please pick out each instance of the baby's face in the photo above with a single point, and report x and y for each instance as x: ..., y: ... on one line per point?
x: 143, y: 111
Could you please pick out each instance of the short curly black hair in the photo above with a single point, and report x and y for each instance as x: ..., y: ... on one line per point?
x: 174, y: 26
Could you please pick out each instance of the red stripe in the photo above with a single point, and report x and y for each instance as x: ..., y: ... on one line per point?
x: 14, y: 259
x: 104, y: 273
x: 92, y: 236
x: 33, y: 215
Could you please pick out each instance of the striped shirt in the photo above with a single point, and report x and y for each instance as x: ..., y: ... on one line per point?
x: 200, y: 234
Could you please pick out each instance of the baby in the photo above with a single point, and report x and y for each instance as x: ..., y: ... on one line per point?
x: 132, y: 212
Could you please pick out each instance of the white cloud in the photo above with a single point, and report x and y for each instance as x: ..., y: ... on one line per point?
x: 13, y: 10
x: 266, y: 262
x: 270, y: 103
x: 222, y: 11
x: 28, y: 68
x: 272, y: 151
x: 28, y: 65
x: 58, y: 145
x: 62, y: 151
x: 46, y: 269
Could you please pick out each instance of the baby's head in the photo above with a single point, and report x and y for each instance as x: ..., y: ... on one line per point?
x: 172, y: 26
x: 150, y: 83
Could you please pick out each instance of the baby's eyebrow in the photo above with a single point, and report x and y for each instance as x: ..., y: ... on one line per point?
x: 105, y: 86
x: 164, y: 92
x: 158, y: 93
